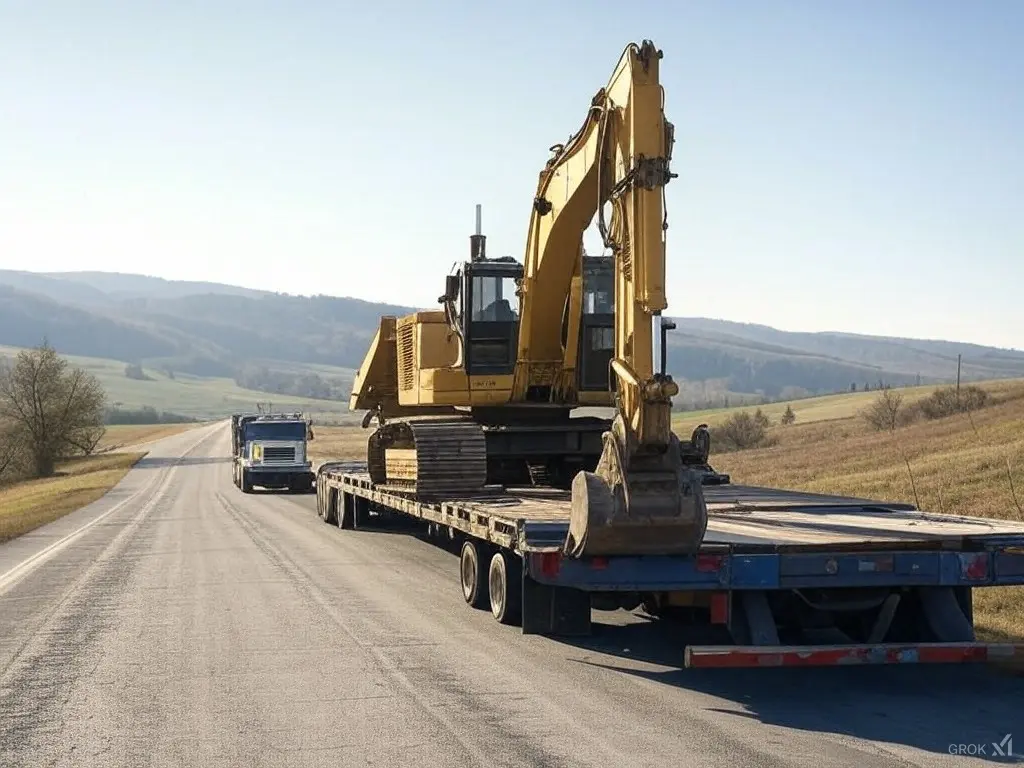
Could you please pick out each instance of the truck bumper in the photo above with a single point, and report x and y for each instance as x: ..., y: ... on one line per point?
x: 721, y: 656
x: 281, y: 477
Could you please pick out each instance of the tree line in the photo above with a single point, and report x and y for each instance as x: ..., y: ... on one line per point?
x: 311, y: 385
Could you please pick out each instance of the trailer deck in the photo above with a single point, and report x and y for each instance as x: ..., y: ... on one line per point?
x: 742, y: 518
x: 778, y: 569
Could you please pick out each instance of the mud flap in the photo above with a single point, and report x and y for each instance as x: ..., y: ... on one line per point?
x: 944, y: 615
x: 549, y: 610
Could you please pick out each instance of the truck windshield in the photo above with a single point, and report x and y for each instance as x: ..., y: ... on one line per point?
x: 278, y: 430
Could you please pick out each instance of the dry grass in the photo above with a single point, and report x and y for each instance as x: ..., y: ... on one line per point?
x: 121, y: 435
x: 955, y: 469
x: 825, y: 408
x: 333, y: 443
x: 27, y: 505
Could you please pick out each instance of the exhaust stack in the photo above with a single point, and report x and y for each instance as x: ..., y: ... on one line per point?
x: 478, y: 242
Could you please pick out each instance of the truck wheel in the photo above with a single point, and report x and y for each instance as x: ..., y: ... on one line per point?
x: 504, y: 582
x: 473, y: 575
x: 246, y: 481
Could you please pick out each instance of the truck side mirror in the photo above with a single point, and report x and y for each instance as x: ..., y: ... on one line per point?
x: 452, y: 284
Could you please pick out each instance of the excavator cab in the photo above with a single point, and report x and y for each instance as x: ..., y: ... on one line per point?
x: 484, y: 293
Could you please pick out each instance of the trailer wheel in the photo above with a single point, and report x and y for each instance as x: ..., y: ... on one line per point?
x: 473, y: 576
x: 331, y: 508
x: 504, y: 583
x: 346, y: 513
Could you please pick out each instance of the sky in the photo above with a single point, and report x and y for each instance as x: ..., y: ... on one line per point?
x: 854, y: 166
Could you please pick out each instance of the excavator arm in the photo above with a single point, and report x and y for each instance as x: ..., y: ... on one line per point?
x: 641, y: 498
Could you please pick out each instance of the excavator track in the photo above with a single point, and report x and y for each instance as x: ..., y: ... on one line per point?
x: 433, y: 458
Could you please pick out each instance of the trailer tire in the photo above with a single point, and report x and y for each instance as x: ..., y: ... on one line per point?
x: 331, y: 508
x: 345, y: 512
x: 504, y: 587
x: 473, y: 575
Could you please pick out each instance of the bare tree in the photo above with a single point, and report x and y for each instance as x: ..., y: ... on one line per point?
x: 788, y: 416
x: 10, y: 450
x: 884, y: 412
x: 55, y: 410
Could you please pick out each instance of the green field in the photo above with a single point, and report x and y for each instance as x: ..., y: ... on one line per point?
x: 202, y: 397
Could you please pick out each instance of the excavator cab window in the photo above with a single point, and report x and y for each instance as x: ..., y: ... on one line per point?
x: 597, y: 327
x: 491, y: 325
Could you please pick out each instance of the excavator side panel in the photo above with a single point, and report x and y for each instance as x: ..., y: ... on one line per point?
x: 376, y: 381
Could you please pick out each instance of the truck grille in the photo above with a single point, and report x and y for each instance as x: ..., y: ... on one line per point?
x: 278, y: 455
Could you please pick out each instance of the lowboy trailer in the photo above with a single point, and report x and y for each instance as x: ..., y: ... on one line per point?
x: 783, y: 577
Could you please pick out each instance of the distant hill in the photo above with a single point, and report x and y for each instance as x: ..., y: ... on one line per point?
x: 264, y: 339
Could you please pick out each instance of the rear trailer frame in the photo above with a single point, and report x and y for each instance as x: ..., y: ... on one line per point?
x: 786, y: 578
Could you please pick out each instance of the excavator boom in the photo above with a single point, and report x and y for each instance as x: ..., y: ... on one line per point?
x: 641, y: 498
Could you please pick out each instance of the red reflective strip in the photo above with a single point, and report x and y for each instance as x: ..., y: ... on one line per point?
x: 600, y: 563
x: 719, y: 607
x: 550, y: 562
x: 709, y: 563
x: 974, y: 565
x: 816, y: 656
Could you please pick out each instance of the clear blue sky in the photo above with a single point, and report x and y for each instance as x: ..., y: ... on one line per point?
x: 851, y: 166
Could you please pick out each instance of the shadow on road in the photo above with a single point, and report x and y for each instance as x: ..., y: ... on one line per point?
x: 156, y: 462
x: 929, y: 707
x: 258, y: 491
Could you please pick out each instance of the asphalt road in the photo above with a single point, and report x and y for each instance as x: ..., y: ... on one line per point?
x: 179, y: 622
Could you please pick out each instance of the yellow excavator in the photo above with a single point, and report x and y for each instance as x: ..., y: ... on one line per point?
x: 481, y: 391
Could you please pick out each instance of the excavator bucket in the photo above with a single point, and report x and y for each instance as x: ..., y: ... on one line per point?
x: 655, y: 507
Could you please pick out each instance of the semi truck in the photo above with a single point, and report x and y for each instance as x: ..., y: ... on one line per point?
x: 555, y: 515
x: 270, y: 451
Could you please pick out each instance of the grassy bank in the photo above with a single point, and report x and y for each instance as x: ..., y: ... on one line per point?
x: 27, y: 505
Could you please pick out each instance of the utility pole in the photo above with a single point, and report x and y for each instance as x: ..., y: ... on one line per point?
x: 958, y: 357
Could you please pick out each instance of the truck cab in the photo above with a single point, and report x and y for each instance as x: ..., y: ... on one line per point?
x: 270, y: 451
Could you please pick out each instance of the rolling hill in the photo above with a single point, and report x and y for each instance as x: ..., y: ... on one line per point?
x: 274, y: 342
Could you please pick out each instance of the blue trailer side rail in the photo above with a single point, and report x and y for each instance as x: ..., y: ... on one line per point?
x: 1000, y: 563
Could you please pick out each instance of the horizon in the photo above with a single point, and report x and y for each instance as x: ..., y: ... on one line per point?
x: 823, y: 331
x: 831, y: 159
